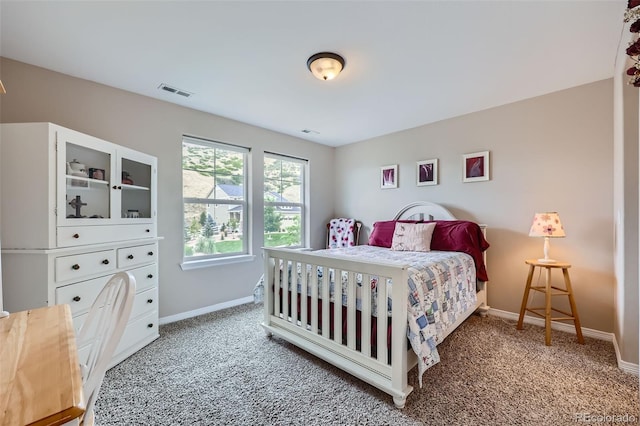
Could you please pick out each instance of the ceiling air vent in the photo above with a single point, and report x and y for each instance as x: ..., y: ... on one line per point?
x: 174, y: 90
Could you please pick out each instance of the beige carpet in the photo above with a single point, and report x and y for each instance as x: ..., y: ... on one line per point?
x: 221, y: 369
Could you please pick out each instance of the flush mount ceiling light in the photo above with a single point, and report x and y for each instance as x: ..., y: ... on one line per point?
x: 325, y: 65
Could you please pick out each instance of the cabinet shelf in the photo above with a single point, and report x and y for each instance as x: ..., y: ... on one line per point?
x: 88, y: 180
x: 135, y: 187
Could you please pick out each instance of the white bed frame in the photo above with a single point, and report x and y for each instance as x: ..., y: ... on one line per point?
x: 377, y: 371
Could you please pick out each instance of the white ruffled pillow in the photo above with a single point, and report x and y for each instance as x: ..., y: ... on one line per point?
x: 412, y: 236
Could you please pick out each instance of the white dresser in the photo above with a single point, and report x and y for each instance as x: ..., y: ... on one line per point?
x: 75, y: 210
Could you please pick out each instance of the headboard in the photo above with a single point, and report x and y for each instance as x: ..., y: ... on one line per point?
x: 424, y: 210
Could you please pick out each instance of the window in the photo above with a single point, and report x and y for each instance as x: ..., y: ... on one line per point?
x: 215, y: 199
x: 284, y: 201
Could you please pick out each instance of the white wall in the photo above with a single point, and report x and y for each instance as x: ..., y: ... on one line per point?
x: 550, y: 153
x: 626, y: 133
x: 156, y: 127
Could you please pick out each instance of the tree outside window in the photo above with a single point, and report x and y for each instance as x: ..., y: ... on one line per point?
x: 284, y: 201
x: 214, y: 199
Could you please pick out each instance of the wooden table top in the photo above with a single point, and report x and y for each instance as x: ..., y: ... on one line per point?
x: 40, y: 380
x: 554, y: 264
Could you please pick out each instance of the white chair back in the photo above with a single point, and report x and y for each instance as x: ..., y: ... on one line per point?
x: 102, y: 329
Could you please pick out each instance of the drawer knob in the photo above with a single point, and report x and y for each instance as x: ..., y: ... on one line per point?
x: 115, y: 187
x: 150, y: 276
x: 147, y: 230
x: 76, y: 235
x: 130, y: 256
x: 150, y: 325
x: 150, y: 253
x: 105, y: 262
x: 149, y: 300
x: 75, y: 267
x: 76, y: 299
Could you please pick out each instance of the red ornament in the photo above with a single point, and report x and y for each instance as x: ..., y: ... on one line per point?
x: 633, y: 3
x: 635, y: 27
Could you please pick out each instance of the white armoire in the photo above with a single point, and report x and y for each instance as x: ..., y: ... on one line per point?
x: 75, y: 210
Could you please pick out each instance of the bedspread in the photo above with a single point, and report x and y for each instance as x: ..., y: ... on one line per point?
x: 441, y: 287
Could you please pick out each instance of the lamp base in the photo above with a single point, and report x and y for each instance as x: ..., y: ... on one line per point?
x: 547, y: 261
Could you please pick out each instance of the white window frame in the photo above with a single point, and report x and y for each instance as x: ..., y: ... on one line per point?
x: 304, y: 232
x: 192, y: 262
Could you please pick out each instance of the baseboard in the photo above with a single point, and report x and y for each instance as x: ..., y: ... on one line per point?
x: 624, y: 365
x: 570, y: 328
x: 205, y: 310
x: 560, y: 326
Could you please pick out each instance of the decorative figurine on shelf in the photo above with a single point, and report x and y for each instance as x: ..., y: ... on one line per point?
x: 75, y: 168
x: 77, y: 204
x: 126, y: 178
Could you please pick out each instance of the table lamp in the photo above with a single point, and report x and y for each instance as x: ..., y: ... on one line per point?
x: 547, y: 225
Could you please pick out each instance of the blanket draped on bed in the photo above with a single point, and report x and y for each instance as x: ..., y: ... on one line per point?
x: 441, y: 287
x: 341, y: 232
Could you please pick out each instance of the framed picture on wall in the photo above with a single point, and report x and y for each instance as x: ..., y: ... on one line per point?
x: 475, y: 166
x: 427, y: 172
x: 389, y: 176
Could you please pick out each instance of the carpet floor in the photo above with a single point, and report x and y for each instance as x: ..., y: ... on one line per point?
x: 221, y: 369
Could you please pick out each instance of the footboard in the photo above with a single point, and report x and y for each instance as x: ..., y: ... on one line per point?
x: 298, y: 308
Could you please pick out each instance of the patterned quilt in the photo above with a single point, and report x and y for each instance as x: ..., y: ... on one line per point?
x: 442, y: 286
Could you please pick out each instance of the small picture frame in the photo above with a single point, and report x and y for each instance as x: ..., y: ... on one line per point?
x: 475, y: 166
x: 427, y: 172
x: 389, y: 176
x: 96, y: 173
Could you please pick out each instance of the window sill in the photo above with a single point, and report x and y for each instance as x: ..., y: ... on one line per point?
x: 207, y: 263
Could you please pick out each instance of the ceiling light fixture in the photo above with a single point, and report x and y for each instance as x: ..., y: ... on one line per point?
x: 325, y: 65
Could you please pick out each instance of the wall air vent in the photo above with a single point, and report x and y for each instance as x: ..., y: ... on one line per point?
x: 174, y: 90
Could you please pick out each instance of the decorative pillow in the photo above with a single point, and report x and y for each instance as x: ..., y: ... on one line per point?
x: 412, y: 236
x: 382, y: 234
x: 463, y: 236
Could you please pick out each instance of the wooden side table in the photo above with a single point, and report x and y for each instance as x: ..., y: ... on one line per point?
x: 549, y: 291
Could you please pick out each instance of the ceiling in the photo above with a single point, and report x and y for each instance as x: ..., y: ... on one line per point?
x: 408, y: 63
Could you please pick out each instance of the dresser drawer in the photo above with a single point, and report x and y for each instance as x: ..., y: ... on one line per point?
x: 146, y: 301
x: 71, y: 236
x: 138, y: 330
x: 137, y: 255
x: 80, y: 296
x: 146, y: 277
x: 143, y: 323
x: 79, y: 266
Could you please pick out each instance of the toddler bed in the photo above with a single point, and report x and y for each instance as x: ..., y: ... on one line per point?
x: 361, y: 330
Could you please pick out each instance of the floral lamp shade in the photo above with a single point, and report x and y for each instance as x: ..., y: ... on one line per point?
x: 547, y: 225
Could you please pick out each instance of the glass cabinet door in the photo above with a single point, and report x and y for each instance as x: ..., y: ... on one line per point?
x: 84, y: 176
x: 137, y: 174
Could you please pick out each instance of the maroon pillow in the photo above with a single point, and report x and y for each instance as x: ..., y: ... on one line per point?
x: 463, y: 236
x: 382, y: 233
